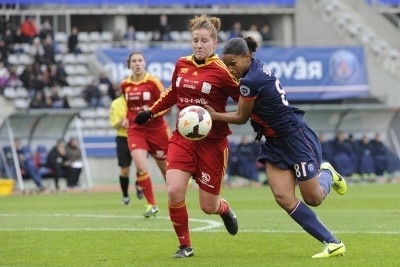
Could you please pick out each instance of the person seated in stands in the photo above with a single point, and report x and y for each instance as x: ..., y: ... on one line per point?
x: 366, y: 163
x: 326, y: 147
x: 343, y: 156
x: 73, y: 43
x: 74, y: 156
x: 28, y: 29
x: 58, y: 162
x: 27, y: 164
x: 92, y: 94
x: 130, y: 37
x: 247, y: 159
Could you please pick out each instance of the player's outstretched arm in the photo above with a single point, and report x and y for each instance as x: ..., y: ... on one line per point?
x: 237, y: 117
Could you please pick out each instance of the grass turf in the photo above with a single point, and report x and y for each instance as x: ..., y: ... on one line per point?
x: 94, y: 229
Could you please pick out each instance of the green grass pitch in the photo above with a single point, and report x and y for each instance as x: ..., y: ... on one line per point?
x: 94, y: 229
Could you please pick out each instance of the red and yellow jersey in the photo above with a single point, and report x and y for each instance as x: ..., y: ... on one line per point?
x: 199, y: 84
x: 140, y: 96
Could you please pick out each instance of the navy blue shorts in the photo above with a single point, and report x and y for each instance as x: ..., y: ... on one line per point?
x: 299, y: 151
x: 123, y: 154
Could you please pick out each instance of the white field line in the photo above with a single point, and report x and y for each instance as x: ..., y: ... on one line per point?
x: 210, y: 225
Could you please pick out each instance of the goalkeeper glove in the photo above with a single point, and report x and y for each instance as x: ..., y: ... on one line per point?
x: 258, y: 129
x: 143, y: 116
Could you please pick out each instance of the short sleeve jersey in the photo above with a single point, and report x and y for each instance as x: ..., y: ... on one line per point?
x: 140, y: 96
x: 271, y: 107
x: 199, y: 84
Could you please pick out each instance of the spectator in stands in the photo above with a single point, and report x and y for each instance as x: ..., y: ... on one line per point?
x: 74, y: 156
x: 380, y: 154
x: 58, y: 163
x: 40, y: 100
x: 3, y: 52
x: 46, y: 30
x: 266, y: 34
x: 36, y: 51
x: 61, y: 74
x: 155, y: 38
x: 38, y: 84
x: 27, y: 164
x: 9, y: 40
x: 103, y: 79
x: 27, y: 76
x: 255, y: 34
x: 343, y: 158
x: 49, y: 55
x: 117, y: 115
x: 236, y: 30
x: 4, y: 76
x: 365, y: 161
x: 118, y: 38
x: 13, y: 79
x: 73, y: 43
x: 57, y: 100
x: 92, y: 94
x: 28, y: 29
x: 164, y: 28
x: 130, y: 37
x: 326, y: 147
x: 247, y: 158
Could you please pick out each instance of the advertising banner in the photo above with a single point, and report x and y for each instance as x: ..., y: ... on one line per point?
x: 306, y: 73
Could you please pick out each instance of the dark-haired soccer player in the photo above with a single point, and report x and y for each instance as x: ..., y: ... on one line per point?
x: 198, y: 79
x: 291, y: 152
x: 140, y: 91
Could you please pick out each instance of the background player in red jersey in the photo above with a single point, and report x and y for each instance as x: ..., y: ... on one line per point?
x: 140, y: 91
x: 292, y: 152
x: 117, y: 114
x: 198, y: 79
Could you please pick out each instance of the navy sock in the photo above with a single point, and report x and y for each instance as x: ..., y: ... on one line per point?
x: 307, y: 219
x: 325, y: 180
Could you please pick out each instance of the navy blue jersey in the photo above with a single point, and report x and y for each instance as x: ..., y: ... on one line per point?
x: 271, y: 108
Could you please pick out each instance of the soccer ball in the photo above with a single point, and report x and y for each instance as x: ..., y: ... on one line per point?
x: 194, y: 122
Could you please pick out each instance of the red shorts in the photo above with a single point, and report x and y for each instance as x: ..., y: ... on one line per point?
x: 154, y: 140
x: 206, y: 159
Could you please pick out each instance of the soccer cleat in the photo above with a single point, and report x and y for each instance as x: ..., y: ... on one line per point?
x: 183, y: 252
x: 230, y: 220
x: 126, y: 201
x: 338, y: 182
x: 150, y: 211
x: 331, y: 250
x: 139, y: 192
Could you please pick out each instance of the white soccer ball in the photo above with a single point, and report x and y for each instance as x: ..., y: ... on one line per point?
x: 194, y: 122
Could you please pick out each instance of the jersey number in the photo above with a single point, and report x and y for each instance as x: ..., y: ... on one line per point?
x: 282, y: 92
x: 300, y: 170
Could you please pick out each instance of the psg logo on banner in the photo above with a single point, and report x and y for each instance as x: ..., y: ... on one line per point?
x: 344, y: 66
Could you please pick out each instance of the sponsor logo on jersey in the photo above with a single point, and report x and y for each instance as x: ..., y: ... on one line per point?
x: 183, y: 70
x: 146, y: 95
x: 205, y: 179
x: 244, y: 90
x: 206, y: 88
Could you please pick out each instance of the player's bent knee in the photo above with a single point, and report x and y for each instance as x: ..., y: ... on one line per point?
x: 314, y: 202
